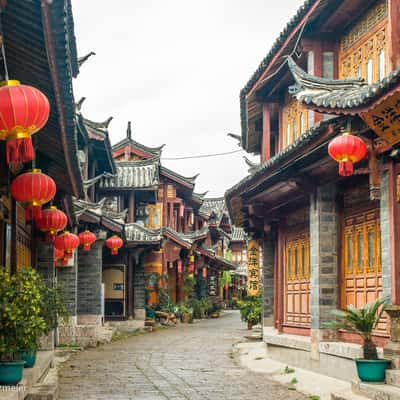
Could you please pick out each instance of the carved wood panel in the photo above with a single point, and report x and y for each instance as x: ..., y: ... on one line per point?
x: 297, y: 281
x: 295, y: 122
x: 364, y: 49
x: 361, y: 261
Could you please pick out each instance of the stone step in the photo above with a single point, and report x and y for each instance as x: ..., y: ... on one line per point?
x: 348, y: 395
x: 393, y: 377
x: 376, y: 391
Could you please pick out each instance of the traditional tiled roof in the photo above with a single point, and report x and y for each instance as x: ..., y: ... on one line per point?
x: 185, y: 239
x: 97, y: 134
x: 340, y: 96
x: 296, y: 146
x: 128, y: 141
x: 292, y: 24
x: 134, y: 174
x: 220, y: 261
x: 214, y: 209
x: 99, y: 213
x: 238, y: 235
x: 183, y: 180
x: 139, y: 234
x: 252, y: 165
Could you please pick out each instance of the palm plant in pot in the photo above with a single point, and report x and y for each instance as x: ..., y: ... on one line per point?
x: 363, y: 321
x: 20, y: 319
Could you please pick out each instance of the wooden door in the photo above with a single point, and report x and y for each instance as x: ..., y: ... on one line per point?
x: 297, y: 281
x: 361, y: 261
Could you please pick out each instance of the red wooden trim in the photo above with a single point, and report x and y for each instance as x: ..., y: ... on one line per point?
x: 296, y: 330
x: 278, y: 54
x: 266, y: 139
x: 394, y: 211
x: 348, y: 337
x: 66, y: 142
x: 394, y: 33
x: 281, y: 278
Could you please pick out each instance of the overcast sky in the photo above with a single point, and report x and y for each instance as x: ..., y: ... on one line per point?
x: 175, y: 68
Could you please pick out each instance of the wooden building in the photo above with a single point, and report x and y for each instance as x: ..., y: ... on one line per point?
x: 328, y: 240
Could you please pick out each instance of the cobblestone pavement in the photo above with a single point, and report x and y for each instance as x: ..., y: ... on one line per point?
x: 188, y: 362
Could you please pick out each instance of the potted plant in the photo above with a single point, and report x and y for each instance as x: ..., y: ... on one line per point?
x: 20, y: 319
x: 363, y: 321
x: 186, y: 313
x: 250, y: 311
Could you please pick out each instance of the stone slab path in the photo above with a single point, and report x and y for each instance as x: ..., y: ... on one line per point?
x: 190, y: 362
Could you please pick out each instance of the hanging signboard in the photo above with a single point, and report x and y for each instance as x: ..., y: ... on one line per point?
x: 384, y: 119
x: 253, y: 267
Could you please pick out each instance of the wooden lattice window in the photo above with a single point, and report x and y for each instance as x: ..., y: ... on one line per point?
x: 298, y: 259
x: 364, y: 48
x: 296, y: 120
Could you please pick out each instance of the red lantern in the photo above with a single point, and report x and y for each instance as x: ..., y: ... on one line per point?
x: 181, y: 211
x: 87, y: 238
x: 58, y: 255
x: 347, y: 149
x: 204, y: 272
x: 24, y: 110
x: 191, y: 268
x: 66, y: 242
x: 33, y: 189
x: 179, y: 267
x: 51, y: 222
x: 114, y: 243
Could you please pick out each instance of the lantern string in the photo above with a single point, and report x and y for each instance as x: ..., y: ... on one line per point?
x: 3, y: 50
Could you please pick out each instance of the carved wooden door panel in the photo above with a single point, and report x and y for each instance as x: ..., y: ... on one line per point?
x: 361, y: 261
x: 297, y: 281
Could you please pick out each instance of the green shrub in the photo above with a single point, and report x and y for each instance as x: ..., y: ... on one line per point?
x: 21, y: 312
x: 250, y: 309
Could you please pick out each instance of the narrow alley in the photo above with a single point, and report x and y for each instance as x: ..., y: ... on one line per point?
x: 193, y: 361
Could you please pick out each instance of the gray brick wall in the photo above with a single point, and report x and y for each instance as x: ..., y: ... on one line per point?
x: 268, y: 280
x: 385, y: 236
x: 324, y: 257
x: 67, y: 278
x: 90, y: 266
x: 138, y: 284
x: 45, y: 261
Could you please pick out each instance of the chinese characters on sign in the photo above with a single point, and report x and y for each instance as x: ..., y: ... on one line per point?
x: 212, y: 287
x: 253, y: 275
x: 384, y: 119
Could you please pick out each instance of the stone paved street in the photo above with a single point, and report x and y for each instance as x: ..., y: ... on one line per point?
x: 189, y: 362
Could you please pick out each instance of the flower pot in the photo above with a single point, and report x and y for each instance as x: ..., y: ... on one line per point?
x: 215, y: 314
x: 185, y: 318
x: 372, y: 370
x: 11, y: 372
x: 29, y: 356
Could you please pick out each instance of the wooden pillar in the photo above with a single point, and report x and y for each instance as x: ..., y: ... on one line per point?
x: 130, y: 286
x: 280, y: 289
x: 394, y: 34
x: 171, y: 222
x: 318, y: 70
x: 165, y: 205
x: 266, y: 139
x: 131, y: 211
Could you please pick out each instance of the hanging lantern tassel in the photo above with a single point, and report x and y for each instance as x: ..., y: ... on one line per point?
x: 19, y: 148
x: 347, y: 149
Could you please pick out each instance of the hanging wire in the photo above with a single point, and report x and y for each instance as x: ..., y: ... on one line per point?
x: 202, y: 155
x: 3, y: 50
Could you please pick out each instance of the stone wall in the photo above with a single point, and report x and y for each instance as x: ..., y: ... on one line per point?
x: 324, y: 262
x: 89, y: 283
x: 268, y: 280
x: 67, y: 278
x: 385, y: 236
x: 139, y: 289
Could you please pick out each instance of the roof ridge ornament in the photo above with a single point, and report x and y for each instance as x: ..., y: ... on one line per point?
x: 129, y: 130
x: 82, y: 60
